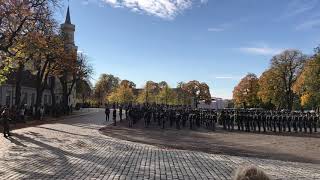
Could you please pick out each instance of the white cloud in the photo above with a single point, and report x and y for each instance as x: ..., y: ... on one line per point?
x: 227, y: 25
x: 228, y: 77
x: 297, y: 7
x: 224, y: 77
x: 314, y: 23
x: 166, y: 9
x: 82, y: 52
x: 85, y: 2
x: 215, y: 29
x: 204, y: 1
x: 261, y: 50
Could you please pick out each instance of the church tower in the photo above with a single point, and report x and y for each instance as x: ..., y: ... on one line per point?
x: 68, y: 30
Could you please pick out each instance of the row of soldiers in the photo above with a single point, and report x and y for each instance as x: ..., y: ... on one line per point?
x: 270, y: 121
x: 170, y: 116
x: 244, y: 120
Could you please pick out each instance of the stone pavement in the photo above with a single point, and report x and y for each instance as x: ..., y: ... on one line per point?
x: 74, y: 149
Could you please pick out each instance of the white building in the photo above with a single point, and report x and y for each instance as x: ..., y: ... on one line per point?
x: 28, y: 90
x: 216, y: 103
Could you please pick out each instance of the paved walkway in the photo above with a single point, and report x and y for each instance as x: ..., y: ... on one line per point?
x: 74, y: 149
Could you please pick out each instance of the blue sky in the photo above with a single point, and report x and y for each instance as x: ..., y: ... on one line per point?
x: 213, y: 41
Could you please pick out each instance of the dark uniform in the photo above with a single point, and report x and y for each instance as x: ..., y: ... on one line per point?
x: 107, y: 112
x: 130, y: 117
x: 114, y: 114
x: 5, y: 123
x: 120, y: 113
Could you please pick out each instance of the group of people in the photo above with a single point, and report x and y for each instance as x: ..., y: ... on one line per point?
x: 275, y: 121
x: 16, y: 114
x: 114, y: 113
x: 170, y: 116
x: 241, y: 120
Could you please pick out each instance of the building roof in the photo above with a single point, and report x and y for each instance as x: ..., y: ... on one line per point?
x: 68, y: 19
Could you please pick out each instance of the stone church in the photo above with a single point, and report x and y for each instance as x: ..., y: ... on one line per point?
x: 28, y: 90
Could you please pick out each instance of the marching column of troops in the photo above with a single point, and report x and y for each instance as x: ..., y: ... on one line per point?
x: 242, y: 120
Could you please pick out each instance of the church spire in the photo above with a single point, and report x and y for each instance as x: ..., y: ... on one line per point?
x: 68, y: 19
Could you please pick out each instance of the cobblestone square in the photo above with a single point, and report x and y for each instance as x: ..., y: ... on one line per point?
x: 74, y: 149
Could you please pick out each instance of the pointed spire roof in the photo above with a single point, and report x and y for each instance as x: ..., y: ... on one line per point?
x: 68, y: 19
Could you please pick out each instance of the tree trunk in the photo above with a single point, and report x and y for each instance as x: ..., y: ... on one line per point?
x: 38, y: 102
x: 53, y: 95
x: 18, y: 85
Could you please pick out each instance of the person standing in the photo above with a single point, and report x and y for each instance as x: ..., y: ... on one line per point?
x: 120, y: 113
x: 41, y: 113
x: 33, y: 111
x: 315, y: 122
x: 114, y: 113
x: 5, y: 122
x: 22, y: 113
x: 130, y: 117
x: 107, y: 112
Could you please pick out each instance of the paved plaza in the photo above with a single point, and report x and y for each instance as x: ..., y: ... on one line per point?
x: 73, y: 148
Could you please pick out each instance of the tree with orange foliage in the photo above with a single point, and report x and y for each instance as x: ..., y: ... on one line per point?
x: 307, y: 84
x: 198, y: 91
x: 245, y: 94
x: 17, y: 19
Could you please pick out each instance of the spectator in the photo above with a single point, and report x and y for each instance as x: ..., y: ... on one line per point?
x: 250, y: 173
x: 5, y: 122
x: 22, y: 113
x: 41, y: 113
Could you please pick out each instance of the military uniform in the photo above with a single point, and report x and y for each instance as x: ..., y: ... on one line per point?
x: 5, y: 123
x: 114, y: 115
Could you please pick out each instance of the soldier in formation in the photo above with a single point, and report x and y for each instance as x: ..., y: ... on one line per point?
x: 178, y: 117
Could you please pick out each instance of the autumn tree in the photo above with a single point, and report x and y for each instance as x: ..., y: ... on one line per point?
x: 270, y: 89
x: 17, y: 20
x: 183, y: 97
x: 287, y: 66
x: 104, y: 86
x: 128, y: 83
x: 198, y: 91
x: 166, y: 95
x: 245, y: 93
x: 149, y: 93
x: 84, y: 90
x: 123, y: 94
x: 74, y: 70
x: 307, y: 84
